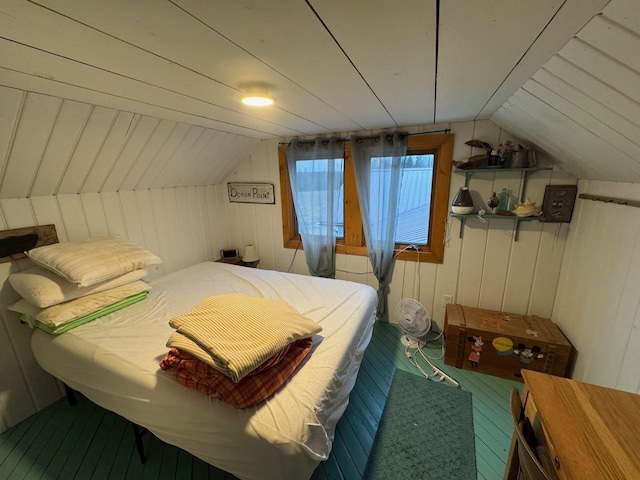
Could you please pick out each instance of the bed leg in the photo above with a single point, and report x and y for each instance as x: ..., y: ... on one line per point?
x: 71, y: 395
x: 139, y: 432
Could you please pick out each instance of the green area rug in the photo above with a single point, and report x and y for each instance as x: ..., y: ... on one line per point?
x: 425, y: 433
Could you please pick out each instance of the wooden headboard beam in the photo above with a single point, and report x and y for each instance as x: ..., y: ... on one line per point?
x: 13, y: 243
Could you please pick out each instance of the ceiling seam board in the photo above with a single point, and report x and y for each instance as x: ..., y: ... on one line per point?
x: 143, y: 148
x: 519, y: 60
x: 22, y: 84
x: 569, y: 20
x: 111, y: 117
x: 12, y: 138
x: 139, y: 81
x: 72, y: 150
x: 166, y: 59
x: 152, y: 156
x: 283, y: 50
x: 626, y: 102
x: 270, y: 66
x: 243, y: 127
x: 136, y: 100
x: 590, y: 129
x: 174, y: 62
x: 577, y: 97
x: 34, y: 175
x: 324, y: 25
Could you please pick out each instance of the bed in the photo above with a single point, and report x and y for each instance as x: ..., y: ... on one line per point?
x: 114, y: 360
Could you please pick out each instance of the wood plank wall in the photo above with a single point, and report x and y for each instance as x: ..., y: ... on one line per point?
x: 598, y: 303
x: 485, y: 268
x: 55, y: 146
x: 181, y: 225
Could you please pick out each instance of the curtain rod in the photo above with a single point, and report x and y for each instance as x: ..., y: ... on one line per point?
x: 444, y: 130
x: 617, y: 201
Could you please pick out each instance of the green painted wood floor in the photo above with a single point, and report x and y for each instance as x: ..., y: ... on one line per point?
x: 88, y: 442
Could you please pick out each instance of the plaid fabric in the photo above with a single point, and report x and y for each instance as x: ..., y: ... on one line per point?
x: 239, y: 332
x: 251, y: 390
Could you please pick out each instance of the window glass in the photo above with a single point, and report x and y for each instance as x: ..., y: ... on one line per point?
x: 414, y: 208
x: 312, y: 179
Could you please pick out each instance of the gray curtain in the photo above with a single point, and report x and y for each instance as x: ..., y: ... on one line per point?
x: 379, y: 164
x: 316, y: 173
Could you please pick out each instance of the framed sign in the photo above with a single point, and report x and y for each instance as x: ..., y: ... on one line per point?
x: 251, y: 192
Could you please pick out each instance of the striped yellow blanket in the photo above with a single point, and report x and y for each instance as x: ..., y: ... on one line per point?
x: 236, y: 333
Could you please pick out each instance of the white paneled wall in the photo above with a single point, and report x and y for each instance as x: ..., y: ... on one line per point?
x: 181, y: 225
x: 51, y: 146
x: 485, y: 268
x: 598, y: 303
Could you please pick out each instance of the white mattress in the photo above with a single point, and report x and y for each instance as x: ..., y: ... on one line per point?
x: 114, y: 362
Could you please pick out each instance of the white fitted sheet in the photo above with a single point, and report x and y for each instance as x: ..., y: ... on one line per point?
x: 114, y: 362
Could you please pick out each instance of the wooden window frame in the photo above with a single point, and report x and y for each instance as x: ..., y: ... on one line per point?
x: 353, y: 243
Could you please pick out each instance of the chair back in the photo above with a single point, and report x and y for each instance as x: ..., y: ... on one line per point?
x: 530, y: 466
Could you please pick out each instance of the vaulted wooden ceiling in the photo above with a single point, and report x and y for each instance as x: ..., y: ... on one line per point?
x: 142, y: 76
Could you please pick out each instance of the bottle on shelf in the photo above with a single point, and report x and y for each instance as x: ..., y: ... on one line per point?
x: 504, y: 202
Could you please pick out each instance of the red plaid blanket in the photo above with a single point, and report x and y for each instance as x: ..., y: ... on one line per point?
x: 259, y: 385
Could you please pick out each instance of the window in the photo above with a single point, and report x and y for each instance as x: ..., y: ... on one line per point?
x: 423, y: 201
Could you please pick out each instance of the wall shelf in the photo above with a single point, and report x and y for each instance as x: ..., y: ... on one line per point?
x: 463, y: 218
x: 526, y: 172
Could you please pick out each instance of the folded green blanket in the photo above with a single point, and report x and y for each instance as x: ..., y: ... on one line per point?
x: 76, y: 322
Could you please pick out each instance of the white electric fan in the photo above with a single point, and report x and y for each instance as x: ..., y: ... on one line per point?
x: 414, y: 320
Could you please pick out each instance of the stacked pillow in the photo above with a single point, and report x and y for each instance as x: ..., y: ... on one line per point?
x: 238, y: 348
x: 76, y: 282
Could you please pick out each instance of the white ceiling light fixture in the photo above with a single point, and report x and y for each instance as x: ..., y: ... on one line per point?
x: 257, y: 96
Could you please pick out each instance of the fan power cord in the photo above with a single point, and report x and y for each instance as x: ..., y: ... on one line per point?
x: 437, y: 376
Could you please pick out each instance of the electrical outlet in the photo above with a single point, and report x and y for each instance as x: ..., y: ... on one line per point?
x: 446, y: 300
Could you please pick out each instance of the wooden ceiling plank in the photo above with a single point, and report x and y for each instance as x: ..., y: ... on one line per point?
x: 91, y: 140
x: 117, y: 138
x: 609, y: 117
x: 589, y: 122
x: 607, y: 69
x: 201, y: 162
x: 564, y: 130
x: 64, y: 138
x: 164, y: 174
x: 35, y: 62
x: 392, y: 44
x: 158, y: 138
x: 519, y: 122
x: 618, y: 42
x: 129, y: 154
x: 162, y: 156
x: 287, y: 37
x: 20, y: 81
x: 595, y: 88
x: 179, y: 163
x: 570, y: 19
x: 34, y: 128
x: 221, y: 166
x: 12, y: 101
x: 624, y: 12
x: 158, y: 43
x: 479, y: 45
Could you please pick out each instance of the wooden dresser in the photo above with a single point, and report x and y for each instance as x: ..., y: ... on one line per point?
x: 591, y: 432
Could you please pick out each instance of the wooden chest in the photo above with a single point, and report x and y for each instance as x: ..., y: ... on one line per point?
x: 502, y: 344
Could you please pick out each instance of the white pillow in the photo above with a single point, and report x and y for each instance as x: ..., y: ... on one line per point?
x: 93, y: 261
x: 43, y: 288
x: 68, y: 311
